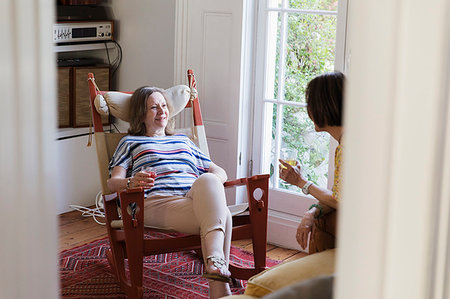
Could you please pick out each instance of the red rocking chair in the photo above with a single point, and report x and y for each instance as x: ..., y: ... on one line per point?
x: 126, y: 232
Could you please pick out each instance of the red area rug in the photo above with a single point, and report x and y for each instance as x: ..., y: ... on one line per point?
x: 85, y: 273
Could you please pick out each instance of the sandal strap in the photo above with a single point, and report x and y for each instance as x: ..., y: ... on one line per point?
x: 217, y: 261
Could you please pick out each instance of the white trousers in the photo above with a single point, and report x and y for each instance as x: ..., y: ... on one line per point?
x: 201, y: 210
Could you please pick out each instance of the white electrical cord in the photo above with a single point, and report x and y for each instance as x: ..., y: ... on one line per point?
x: 98, y: 211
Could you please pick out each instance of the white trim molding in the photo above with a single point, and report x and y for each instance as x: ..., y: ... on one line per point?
x: 286, y: 223
x: 180, y: 54
x: 440, y: 276
x: 180, y: 51
x: 393, y: 234
x: 28, y: 223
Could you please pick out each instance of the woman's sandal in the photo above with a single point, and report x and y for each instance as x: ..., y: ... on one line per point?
x: 219, y: 263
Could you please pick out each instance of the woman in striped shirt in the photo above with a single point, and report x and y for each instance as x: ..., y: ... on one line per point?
x: 184, y: 189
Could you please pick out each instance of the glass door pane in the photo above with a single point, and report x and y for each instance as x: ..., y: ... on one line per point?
x: 296, y: 131
x: 330, y: 5
x: 310, y: 52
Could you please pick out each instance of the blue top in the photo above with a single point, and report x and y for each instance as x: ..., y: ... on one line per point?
x: 177, y: 161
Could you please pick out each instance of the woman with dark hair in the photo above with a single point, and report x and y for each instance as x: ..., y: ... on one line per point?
x: 324, y: 97
x: 183, y: 187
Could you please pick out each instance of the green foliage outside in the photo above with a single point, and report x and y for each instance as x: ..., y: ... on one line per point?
x: 310, y: 52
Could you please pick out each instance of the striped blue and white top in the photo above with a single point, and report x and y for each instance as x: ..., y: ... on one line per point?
x: 177, y: 161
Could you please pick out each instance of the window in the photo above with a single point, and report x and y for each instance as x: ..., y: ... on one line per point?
x: 296, y: 41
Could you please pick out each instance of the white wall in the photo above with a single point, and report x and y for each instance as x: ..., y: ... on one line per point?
x: 78, y: 180
x: 145, y: 29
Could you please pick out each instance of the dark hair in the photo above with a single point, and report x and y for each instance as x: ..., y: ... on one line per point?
x: 325, y: 96
x: 138, y: 111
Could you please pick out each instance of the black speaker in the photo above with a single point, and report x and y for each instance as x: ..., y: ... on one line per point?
x: 83, y: 13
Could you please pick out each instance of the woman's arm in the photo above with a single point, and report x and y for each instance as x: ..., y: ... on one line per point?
x: 324, y: 196
x: 219, y: 171
x: 119, y: 181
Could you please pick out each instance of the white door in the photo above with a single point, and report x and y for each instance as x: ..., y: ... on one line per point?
x: 213, y: 52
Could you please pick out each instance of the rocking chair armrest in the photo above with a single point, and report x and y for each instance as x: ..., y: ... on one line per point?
x: 113, y: 196
x: 132, y: 190
x: 244, y: 181
x: 110, y: 197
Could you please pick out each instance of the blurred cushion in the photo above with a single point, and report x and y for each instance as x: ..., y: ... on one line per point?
x: 238, y: 297
x: 320, y: 287
x: 288, y: 273
x: 118, y: 103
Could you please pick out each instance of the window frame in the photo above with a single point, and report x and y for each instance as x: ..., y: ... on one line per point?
x: 286, y: 201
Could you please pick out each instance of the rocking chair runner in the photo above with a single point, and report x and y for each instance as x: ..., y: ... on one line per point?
x: 126, y: 231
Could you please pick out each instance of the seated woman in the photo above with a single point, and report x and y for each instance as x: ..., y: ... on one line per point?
x: 187, y: 194
x: 324, y: 96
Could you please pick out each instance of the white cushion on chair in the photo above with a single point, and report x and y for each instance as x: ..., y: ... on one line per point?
x: 118, y: 103
x: 179, y: 97
x: 238, y: 209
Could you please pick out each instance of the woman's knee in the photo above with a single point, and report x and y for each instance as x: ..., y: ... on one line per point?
x: 210, y: 178
x: 209, y: 181
x: 208, y: 194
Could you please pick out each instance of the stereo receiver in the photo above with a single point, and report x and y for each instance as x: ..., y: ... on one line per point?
x: 89, y: 31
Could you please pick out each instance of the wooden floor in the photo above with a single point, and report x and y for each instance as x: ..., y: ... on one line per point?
x: 75, y: 230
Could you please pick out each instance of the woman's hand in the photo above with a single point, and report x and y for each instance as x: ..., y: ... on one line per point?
x: 119, y: 181
x: 142, y: 179
x: 304, y: 228
x: 291, y: 174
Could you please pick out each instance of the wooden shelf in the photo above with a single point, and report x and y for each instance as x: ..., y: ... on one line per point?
x: 81, y: 47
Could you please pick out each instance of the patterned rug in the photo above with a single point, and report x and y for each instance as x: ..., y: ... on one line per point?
x: 85, y: 273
